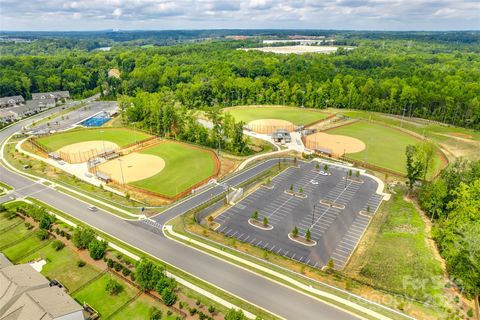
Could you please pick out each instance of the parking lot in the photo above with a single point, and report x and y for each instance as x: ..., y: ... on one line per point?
x: 335, y: 229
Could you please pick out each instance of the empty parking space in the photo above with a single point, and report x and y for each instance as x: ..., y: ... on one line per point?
x: 336, y: 229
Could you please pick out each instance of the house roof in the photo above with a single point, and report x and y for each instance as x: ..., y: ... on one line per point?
x: 4, y: 262
x: 53, y: 94
x: 44, y: 303
x: 40, y: 102
x: 14, y: 99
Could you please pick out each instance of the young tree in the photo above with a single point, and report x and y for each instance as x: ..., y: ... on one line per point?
x: 308, y: 235
x: 97, y: 248
x: 357, y: 174
x: 291, y: 187
x: 427, y: 155
x: 265, y: 221
x: 113, y: 287
x: 233, y: 314
x: 255, y: 215
x: 414, y: 165
x: 330, y: 264
x: 350, y: 172
x: 325, y: 168
x: 295, y: 232
x: 168, y: 296
x: 148, y: 274
x: 300, y: 190
x: 82, y: 237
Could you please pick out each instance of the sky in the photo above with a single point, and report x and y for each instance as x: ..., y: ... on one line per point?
x: 58, y: 15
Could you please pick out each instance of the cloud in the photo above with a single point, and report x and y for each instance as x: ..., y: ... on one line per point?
x: 184, y: 14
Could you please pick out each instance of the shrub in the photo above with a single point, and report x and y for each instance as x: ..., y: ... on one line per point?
x: 155, y: 314
x: 62, y: 233
x: 46, y: 221
x: 81, y: 263
x: 265, y: 221
x: 97, y: 248
x: 110, y: 263
x: 202, y: 316
x: 211, y: 309
x: 10, y: 215
x: 470, y: 313
x: 198, y: 302
x: 255, y: 215
x: 58, y: 245
x: 168, y: 296
x: 68, y: 236
x: 117, y: 266
x: 28, y: 225
x: 113, y: 287
x: 42, y: 234
x: 193, y: 311
x: 132, y: 276
x: 57, y: 230
x: 126, y: 271
x: 308, y: 235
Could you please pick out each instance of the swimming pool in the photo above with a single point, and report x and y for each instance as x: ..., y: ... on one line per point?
x: 97, y: 120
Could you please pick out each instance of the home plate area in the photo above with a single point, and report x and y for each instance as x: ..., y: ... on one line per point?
x: 336, y: 208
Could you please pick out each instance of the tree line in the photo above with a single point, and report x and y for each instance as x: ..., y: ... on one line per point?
x: 453, y: 204
x: 420, y: 78
x: 160, y: 114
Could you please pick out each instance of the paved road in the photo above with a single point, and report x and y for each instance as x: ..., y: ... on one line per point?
x: 274, y: 297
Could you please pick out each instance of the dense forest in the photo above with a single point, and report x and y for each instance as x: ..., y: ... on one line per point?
x: 418, y: 76
x: 453, y: 203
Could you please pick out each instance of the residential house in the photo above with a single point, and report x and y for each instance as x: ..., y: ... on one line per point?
x: 57, y: 95
x: 6, y: 102
x: 7, y: 116
x: 27, y: 294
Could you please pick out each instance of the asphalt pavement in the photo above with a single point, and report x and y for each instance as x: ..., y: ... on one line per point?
x: 265, y: 293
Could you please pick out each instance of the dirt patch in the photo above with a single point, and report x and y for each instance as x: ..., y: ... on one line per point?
x: 268, y: 126
x: 461, y: 135
x: 338, y: 144
x: 96, y: 146
x: 135, y: 166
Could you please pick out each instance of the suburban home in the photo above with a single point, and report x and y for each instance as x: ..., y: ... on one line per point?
x: 6, y: 102
x: 41, y: 104
x: 27, y: 294
x: 7, y: 116
x: 57, y: 95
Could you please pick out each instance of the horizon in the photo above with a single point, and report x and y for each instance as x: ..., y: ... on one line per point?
x: 158, y: 15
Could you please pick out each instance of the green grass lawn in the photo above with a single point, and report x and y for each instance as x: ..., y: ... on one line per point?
x: 13, y: 234
x: 96, y: 296
x: 140, y: 310
x: 296, y: 115
x: 62, y: 265
x: 120, y: 136
x: 398, y: 258
x: 184, y: 167
x: 385, y: 147
x: 20, y: 249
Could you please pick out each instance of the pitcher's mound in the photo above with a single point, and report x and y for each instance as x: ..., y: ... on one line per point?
x: 135, y: 166
x: 268, y: 126
x: 338, y: 144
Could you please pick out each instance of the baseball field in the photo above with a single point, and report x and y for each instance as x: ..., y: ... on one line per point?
x: 384, y: 146
x: 185, y: 166
x: 118, y: 137
x: 267, y: 119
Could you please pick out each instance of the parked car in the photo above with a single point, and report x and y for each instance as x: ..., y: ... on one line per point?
x: 93, y: 208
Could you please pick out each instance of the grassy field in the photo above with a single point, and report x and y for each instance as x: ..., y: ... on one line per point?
x: 30, y: 244
x: 100, y: 300
x: 62, y: 265
x: 121, y: 137
x: 395, y: 255
x: 460, y: 142
x: 184, y: 167
x: 296, y: 115
x: 138, y: 309
x: 385, y: 147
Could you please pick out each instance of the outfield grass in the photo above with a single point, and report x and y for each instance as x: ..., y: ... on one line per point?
x: 296, y: 115
x: 184, y: 167
x: 62, y: 265
x: 120, y: 136
x: 396, y: 257
x: 385, y: 147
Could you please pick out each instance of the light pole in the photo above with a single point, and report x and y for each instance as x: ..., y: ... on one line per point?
x: 121, y: 171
